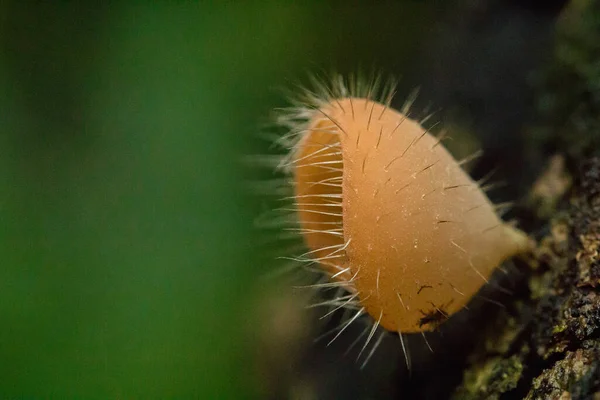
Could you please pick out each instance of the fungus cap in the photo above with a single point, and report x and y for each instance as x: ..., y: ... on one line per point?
x: 392, y: 217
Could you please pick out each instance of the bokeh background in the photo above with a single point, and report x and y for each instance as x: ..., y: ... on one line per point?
x: 128, y: 256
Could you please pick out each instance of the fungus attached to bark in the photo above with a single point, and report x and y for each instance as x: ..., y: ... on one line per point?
x: 388, y: 213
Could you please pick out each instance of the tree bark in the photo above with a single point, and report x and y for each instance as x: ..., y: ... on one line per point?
x: 546, y: 344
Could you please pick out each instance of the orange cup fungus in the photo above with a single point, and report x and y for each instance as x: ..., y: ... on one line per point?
x: 389, y: 214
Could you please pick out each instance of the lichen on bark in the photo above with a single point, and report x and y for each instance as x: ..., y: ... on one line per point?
x: 546, y: 345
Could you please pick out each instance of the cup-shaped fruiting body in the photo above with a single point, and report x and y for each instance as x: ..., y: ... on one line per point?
x: 392, y: 217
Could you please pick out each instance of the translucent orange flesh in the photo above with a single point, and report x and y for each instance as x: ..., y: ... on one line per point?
x: 318, y: 189
x: 422, y: 238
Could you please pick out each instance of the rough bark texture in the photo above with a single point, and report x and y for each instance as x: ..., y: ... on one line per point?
x: 550, y: 347
x: 546, y: 344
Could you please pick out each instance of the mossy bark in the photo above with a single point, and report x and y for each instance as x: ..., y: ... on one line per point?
x: 546, y: 344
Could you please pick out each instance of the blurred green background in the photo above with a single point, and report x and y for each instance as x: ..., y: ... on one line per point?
x: 127, y: 260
